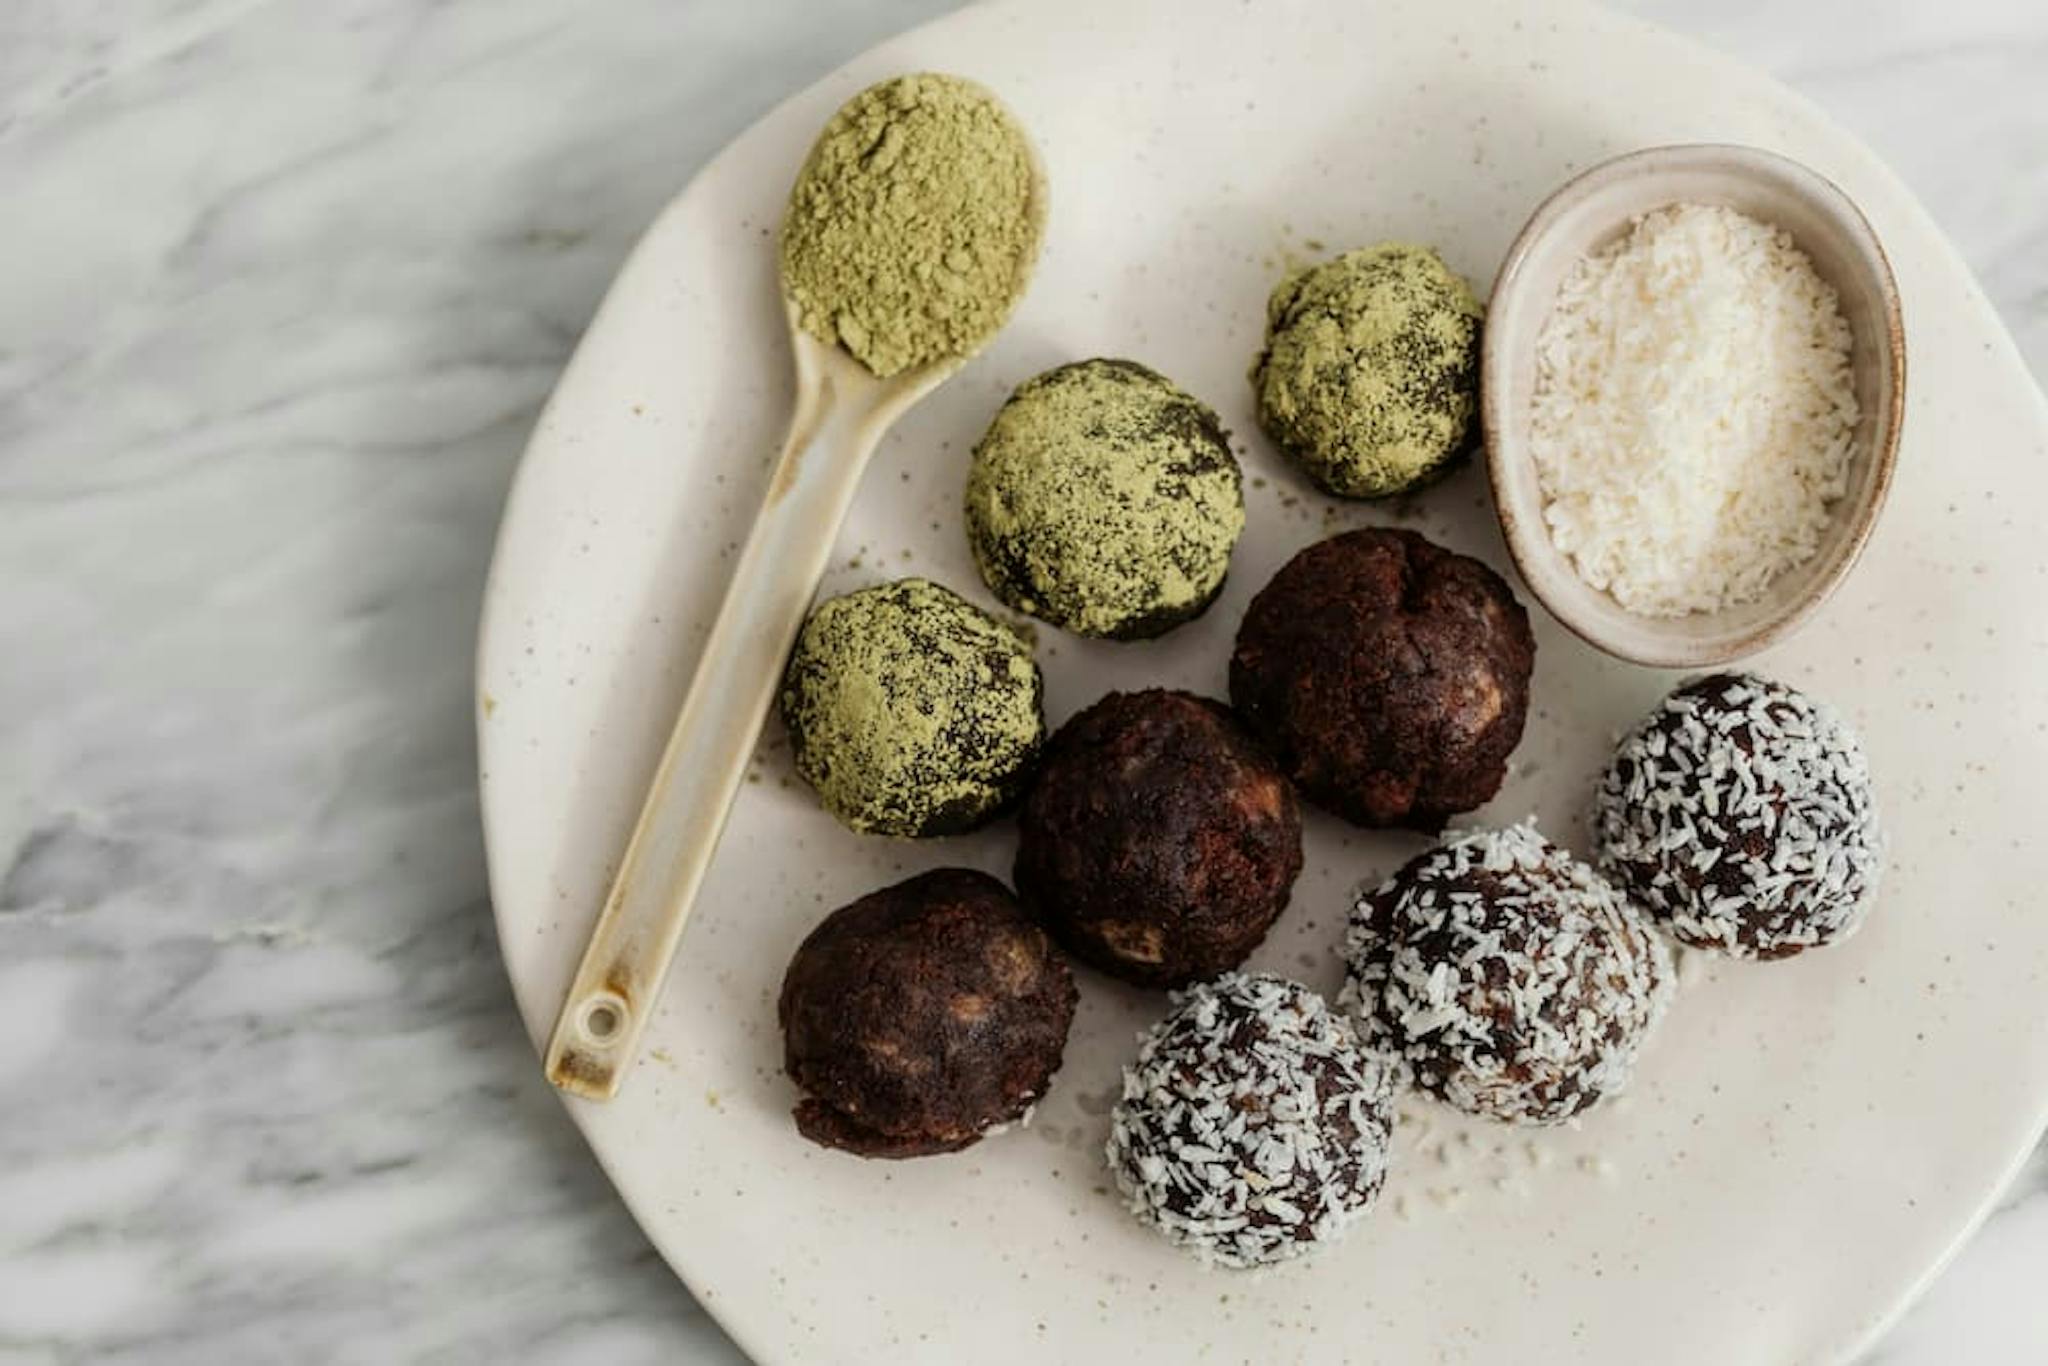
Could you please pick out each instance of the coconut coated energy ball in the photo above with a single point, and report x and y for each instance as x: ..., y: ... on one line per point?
x: 1512, y: 980
x: 1253, y: 1128
x: 1740, y: 813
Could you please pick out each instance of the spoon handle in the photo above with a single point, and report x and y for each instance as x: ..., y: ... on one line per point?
x: 841, y: 414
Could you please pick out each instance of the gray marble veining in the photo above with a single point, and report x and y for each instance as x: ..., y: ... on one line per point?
x: 284, y: 286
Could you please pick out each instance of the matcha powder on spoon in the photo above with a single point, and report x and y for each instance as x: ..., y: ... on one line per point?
x: 913, y: 225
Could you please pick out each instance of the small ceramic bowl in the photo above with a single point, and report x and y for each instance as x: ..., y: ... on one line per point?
x: 1588, y: 213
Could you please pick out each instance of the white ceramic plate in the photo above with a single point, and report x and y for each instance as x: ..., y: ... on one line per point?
x: 1806, y: 1140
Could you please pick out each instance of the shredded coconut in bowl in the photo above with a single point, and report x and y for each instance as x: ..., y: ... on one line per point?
x: 1694, y: 411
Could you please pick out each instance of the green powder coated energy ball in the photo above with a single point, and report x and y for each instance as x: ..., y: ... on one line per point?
x: 1370, y: 376
x: 1105, y: 500
x: 911, y: 711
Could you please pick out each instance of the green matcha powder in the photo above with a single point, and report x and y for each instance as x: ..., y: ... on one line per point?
x: 913, y: 225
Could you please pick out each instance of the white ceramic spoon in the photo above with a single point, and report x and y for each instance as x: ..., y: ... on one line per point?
x: 841, y: 412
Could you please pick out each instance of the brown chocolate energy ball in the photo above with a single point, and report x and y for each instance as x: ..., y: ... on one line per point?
x: 1389, y: 675
x: 922, y: 1015
x: 1160, y: 840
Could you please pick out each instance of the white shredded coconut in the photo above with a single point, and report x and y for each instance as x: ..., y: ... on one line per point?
x: 1694, y: 411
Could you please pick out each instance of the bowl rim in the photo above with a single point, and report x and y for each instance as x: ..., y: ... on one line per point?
x: 1658, y: 647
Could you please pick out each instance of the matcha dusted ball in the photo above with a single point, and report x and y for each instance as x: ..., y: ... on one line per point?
x: 1370, y: 376
x: 1105, y: 500
x: 910, y: 710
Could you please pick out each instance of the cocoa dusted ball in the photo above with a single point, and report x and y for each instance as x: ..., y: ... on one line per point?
x: 1740, y: 812
x: 1512, y: 980
x: 922, y: 1015
x: 1389, y: 675
x: 1160, y: 840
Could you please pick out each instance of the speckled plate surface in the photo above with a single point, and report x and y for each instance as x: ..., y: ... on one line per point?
x: 1806, y: 1140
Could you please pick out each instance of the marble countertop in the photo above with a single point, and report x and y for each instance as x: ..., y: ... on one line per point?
x: 285, y: 286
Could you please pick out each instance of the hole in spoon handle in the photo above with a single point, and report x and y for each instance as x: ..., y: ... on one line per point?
x: 587, y: 1057
x: 599, y: 1020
